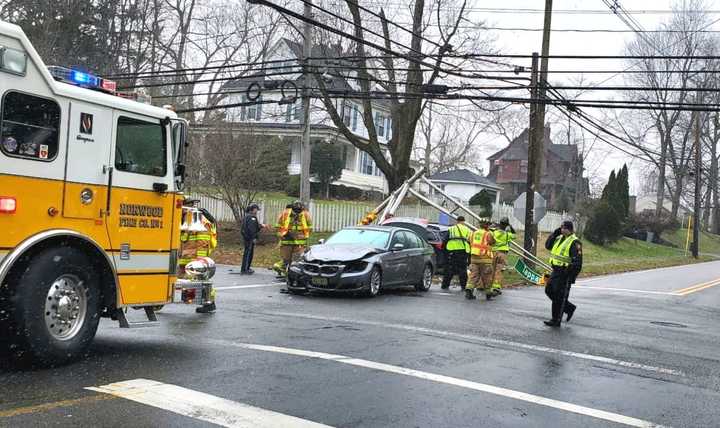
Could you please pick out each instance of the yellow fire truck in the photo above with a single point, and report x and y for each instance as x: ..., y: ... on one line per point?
x: 90, y: 203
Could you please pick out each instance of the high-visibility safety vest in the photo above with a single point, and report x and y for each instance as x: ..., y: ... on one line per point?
x: 502, y: 240
x: 560, y: 253
x: 297, y: 225
x: 481, y: 250
x: 459, y: 238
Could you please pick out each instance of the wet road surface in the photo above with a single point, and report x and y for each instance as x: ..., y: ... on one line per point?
x: 643, y: 349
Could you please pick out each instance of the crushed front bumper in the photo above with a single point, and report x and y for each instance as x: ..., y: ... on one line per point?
x: 350, y: 277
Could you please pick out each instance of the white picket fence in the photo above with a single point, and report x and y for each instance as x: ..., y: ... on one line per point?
x: 332, y: 216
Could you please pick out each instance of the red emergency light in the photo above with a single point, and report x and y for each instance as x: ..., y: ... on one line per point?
x: 8, y: 205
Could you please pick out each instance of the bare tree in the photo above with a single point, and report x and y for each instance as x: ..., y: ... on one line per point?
x: 403, y: 78
x: 450, y: 138
x: 237, y: 166
x: 683, y: 39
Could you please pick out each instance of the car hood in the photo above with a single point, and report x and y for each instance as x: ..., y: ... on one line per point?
x: 339, y: 252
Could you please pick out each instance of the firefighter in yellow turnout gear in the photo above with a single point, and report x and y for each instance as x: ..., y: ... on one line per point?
x: 198, y: 238
x: 504, y: 234
x: 294, y: 227
x: 481, y: 261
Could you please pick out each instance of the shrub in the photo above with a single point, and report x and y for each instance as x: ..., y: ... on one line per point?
x: 484, y: 200
x: 640, y: 224
x: 604, y: 225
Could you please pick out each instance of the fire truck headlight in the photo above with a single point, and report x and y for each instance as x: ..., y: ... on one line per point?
x: 13, y: 60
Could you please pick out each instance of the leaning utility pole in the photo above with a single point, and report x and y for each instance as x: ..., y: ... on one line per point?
x: 305, y: 149
x: 536, y: 134
x: 698, y: 172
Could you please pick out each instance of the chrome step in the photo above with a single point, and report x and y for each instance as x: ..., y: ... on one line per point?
x: 149, y: 312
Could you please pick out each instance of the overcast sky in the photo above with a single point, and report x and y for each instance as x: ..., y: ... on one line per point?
x: 574, y: 43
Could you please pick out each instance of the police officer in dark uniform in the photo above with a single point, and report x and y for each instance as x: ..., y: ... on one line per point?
x: 566, y: 261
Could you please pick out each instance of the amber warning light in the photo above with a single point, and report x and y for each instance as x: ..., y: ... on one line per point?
x: 8, y: 205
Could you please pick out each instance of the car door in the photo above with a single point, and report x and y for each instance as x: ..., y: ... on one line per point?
x: 407, y: 273
x: 395, y: 262
x: 416, y: 259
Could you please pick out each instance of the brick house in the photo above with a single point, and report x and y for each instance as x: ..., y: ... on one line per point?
x: 561, y: 176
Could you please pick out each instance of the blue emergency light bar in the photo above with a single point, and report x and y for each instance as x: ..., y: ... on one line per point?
x: 79, y: 78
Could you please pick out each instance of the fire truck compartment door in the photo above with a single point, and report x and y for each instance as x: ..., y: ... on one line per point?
x: 88, y: 153
x: 140, y: 222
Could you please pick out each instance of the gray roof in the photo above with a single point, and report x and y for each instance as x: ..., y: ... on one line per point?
x: 518, y: 149
x: 463, y: 176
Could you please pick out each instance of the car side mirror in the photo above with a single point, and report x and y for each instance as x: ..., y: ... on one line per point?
x: 398, y: 247
x: 321, y: 241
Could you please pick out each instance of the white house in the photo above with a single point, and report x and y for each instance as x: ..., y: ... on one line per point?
x: 463, y: 184
x: 285, y: 119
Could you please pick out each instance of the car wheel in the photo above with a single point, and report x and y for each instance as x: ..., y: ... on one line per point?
x: 427, y: 278
x: 375, y: 282
x: 58, y: 306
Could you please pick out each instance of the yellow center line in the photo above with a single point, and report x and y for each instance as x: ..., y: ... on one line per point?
x: 700, y: 288
x: 54, y: 405
x: 697, y: 287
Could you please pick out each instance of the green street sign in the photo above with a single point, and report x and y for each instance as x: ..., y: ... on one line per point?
x: 527, y: 272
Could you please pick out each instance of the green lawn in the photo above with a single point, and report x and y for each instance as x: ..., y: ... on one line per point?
x: 709, y: 243
x: 623, y: 256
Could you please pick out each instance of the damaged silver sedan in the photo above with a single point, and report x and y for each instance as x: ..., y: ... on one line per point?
x: 364, y: 259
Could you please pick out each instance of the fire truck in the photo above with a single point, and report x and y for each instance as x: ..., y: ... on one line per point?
x: 90, y: 203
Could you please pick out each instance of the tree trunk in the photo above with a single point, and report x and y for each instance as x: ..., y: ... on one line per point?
x: 327, y: 190
x: 706, y: 210
x: 675, y: 207
x: 713, y: 185
x: 661, y: 178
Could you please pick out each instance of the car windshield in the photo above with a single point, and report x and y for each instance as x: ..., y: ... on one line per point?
x: 374, y: 238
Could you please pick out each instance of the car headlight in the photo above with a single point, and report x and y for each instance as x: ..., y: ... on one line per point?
x: 356, y: 267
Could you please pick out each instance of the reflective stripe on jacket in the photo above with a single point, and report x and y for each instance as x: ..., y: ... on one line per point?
x: 502, y: 240
x: 481, y: 250
x: 298, y: 226
x: 459, y: 238
x: 560, y: 253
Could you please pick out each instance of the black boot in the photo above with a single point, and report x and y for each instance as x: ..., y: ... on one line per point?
x: 469, y: 294
x: 552, y: 323
x: 570, y: 311
x: 206, y: 309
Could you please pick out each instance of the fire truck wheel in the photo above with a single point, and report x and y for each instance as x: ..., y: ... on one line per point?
x: 58, y: 306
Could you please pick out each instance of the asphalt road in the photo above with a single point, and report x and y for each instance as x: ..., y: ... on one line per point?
x: 643, y: 349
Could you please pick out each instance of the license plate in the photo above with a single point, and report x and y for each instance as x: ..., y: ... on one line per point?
x: 319, y: 281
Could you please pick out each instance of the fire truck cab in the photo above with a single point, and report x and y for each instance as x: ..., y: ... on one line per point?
x: 90, y: 203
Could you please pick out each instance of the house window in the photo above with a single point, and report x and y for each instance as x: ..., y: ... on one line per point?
x: 355, y: 113
x: 298, y: 112
x: 388, y: 127
x: 254, y: 111
x: 380, y: 124
x: 346, y: 113
x: 367, y: 164
x: 290, y: 112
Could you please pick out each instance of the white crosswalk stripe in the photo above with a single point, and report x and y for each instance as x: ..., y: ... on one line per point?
x: 201, y: 406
